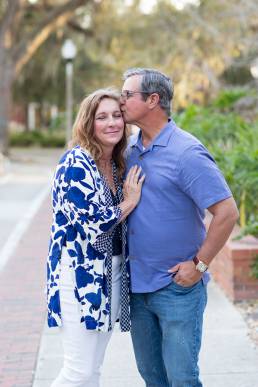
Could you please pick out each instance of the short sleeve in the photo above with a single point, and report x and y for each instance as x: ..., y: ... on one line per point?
x: 200, y: 178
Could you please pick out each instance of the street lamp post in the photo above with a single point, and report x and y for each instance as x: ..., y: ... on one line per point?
x: 254, y: 68
x: 68, y: 53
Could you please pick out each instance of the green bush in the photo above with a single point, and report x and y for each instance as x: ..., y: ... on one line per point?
x: 250, y: 229
x: 254, y: 267
x: 25, y: 138
x: 53, y: 141
x: 38, y: 138
x: 227, y: 98
x: 234, y: 144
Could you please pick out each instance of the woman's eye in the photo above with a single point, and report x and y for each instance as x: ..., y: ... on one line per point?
x: 118, y: 115
x: 100, y: 118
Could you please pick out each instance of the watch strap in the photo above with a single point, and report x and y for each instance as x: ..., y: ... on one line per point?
x: 196, y: 260
x: 200, y: 265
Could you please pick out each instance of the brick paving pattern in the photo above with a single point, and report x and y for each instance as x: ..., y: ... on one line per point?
x: 22, y: 303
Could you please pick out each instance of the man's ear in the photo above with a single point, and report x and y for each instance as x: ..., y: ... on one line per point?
x: 153, y: 100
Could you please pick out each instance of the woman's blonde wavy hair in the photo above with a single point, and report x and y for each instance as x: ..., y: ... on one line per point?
x: 83, y: 128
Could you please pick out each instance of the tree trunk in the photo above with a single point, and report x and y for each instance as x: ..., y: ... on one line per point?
x: 14, y: 55
x: 7, y: 72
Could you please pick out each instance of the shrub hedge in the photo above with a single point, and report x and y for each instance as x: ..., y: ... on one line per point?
x: 44, y: 139
x: 234, y: 144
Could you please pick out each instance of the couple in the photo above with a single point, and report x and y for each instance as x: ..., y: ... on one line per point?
x: 163, y: 188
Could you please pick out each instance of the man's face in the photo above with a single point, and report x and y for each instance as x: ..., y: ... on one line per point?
x: 133, y: 107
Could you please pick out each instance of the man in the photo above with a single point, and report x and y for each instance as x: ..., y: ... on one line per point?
x: 169, y: 251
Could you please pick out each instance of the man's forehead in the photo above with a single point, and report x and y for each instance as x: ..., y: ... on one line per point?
x: 133, y: 81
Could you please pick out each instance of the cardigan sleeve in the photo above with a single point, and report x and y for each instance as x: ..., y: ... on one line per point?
x: 80, y: 201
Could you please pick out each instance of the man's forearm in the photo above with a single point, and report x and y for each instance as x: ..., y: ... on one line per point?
x: 219, y: 231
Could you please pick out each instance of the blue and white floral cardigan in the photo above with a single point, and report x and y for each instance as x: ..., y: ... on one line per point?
x: 84, y: 218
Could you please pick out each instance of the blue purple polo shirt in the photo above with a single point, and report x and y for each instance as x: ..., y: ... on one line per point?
x: 166, y: 228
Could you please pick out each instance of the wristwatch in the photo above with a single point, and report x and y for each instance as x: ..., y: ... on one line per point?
x: 200, y: 265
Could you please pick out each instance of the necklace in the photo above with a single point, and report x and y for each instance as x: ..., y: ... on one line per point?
x: 104, y: 163
x: 106, y: 170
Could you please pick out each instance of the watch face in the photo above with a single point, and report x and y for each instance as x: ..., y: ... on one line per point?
x: 201, y: 267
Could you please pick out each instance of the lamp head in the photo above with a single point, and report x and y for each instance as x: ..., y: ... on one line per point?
x: 69, y: 50
x: 254, y: 68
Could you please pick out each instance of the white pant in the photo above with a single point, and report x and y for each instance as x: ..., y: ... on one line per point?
x: 84, y: 349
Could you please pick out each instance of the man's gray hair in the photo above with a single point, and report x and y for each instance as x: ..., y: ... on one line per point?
x: 153, y: 81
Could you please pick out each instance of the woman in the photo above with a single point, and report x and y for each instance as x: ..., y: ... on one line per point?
x: 87, y: 263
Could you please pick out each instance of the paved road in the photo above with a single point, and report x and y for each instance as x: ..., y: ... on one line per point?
x: 23, y: 187
x: 24, y: 233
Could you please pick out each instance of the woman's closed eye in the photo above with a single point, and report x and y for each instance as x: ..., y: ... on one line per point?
x: 117, y: 115
x: 104, y: 117
x: 101, y: 118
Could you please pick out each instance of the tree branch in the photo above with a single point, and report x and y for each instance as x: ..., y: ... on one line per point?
x: 7, y: 20
x: 55, y: 19
x: 76, y: 27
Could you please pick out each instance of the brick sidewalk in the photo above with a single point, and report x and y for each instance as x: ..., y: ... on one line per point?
x: 22, y: 303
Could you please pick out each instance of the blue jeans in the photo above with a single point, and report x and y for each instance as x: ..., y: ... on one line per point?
x: 166, y: 334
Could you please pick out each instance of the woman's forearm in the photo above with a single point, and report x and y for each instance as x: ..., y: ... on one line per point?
x: 126, y: 207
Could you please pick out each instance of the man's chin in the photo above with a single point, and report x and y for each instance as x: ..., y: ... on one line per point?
x: 124, y: 115
x: 126, y: 118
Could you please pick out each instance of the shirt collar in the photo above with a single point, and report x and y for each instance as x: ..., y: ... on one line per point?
x: 161, y: 139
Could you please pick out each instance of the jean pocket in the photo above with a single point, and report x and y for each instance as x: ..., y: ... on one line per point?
x: 185, y: 289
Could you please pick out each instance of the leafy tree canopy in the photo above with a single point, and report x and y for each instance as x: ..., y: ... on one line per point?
x: 195, y: 46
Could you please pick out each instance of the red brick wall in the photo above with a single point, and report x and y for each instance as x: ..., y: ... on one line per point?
x: 231, y: 269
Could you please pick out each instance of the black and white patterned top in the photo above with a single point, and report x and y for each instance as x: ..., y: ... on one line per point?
x: 125, y: 278
x: 84, y: 219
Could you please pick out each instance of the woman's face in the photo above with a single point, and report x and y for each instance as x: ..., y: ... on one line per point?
x: 108, y: 124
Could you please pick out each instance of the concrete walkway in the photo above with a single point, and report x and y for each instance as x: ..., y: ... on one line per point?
x: 30, y: 353
x: 24, y: 236
x: 228, y: 357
